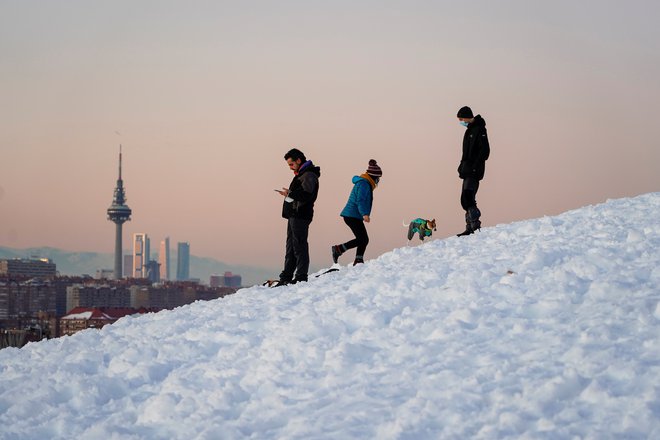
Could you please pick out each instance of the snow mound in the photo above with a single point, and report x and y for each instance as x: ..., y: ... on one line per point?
x: 547, y: 328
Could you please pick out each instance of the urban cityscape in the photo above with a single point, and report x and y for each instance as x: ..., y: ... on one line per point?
x: 36, y: 302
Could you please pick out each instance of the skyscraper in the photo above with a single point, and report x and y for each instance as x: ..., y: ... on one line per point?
x: 118, y: 213
x: 128, y: 266
x: 164, y: 259
x: 140, y: 254
x: 183, y: 261
x: 152, y: 271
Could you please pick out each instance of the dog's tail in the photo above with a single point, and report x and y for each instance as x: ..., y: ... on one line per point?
x: 404, y: 224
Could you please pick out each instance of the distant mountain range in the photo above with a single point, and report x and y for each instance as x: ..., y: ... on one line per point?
x: 79, y: 263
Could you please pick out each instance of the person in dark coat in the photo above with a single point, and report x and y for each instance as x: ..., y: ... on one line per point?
x: 476, y: 151
x: 298, y: 209
x: 357, y: 212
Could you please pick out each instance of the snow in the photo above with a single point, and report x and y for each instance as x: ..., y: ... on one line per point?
x: 547, y: 328
x: 83, y: 315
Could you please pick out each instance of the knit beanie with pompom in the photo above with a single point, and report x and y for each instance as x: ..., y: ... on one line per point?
x: 374, y: 170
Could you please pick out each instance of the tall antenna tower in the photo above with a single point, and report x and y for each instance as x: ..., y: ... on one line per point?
x: 118, y: 213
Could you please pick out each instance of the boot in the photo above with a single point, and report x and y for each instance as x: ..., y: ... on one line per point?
x: 472, y: 222
x: 468, y: 231
x: 359, y: 259
x: 280, y: 283
x: 337, y: 250
x: 473, y: 216
x: 468, y: 228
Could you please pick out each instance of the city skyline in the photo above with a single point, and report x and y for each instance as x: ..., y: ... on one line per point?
x: 206, y: 99
x: 37, y: 303
x: 142, y: 264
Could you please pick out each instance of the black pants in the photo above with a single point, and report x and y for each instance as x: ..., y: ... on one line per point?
x: 361, y: 239
x: 296, y: 258
x: 469, y: 193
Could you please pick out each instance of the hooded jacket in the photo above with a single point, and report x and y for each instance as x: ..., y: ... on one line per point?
x: 304, y: 189
x: 476, y: 150
x: 361, y: 198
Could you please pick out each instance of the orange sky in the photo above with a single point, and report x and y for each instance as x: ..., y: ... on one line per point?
x: 206, y: 97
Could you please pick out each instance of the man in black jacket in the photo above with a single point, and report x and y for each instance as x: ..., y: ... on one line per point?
x: 298, y: 209
x: 473, y: 165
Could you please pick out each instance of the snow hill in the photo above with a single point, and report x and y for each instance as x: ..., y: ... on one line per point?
x: 548, y: 328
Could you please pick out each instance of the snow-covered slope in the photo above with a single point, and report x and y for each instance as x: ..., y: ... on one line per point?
x: 546, y: 328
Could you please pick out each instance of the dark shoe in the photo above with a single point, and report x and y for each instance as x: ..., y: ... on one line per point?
x: 358, y: 260
x: 336, y: 252
x: 280, y: 283
x: 468, y: 231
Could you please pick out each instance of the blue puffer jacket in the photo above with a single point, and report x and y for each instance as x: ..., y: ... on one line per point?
x: 360, y: 200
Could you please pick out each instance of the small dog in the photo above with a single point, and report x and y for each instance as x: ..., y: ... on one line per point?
x: 422, y: 227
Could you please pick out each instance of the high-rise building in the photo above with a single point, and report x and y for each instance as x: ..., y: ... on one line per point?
x: 147, y: 251
x: 140, y: 254
x: 79, y: 295
x: 28, y: 267
x: 128, y: 266
x: 183, y: 261
x: 118, y: 213
x: 153, y: 271
x: 27, y: 298
x: 164, y: 259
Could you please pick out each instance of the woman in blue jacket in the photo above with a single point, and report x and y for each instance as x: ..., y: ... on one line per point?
x: 357, y: 212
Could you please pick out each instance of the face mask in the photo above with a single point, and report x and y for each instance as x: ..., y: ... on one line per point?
x: 463, y: 123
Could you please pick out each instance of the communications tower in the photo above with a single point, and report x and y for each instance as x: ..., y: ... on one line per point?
x: 118, y: 213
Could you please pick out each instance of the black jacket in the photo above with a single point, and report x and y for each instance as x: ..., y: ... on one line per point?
x: 304, y: 189
x: 475, y: 150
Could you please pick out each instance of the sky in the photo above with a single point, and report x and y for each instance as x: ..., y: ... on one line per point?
x: 205, y: 98
x: 555, y: 337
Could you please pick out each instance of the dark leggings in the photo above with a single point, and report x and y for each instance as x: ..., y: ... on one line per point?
x: 361, y: 239
x: 469, y: 193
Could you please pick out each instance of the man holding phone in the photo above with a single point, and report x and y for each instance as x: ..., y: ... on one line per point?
x: 298, y: 209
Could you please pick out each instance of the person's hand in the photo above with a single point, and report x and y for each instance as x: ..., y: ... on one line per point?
x: 366, y: 218
x: 284, y: 192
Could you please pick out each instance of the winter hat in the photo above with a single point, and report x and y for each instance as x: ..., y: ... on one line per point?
x: 374, y: 170
x: 465, y: 112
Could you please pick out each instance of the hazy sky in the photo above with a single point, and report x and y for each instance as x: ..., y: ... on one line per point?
x: 207, y: 96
